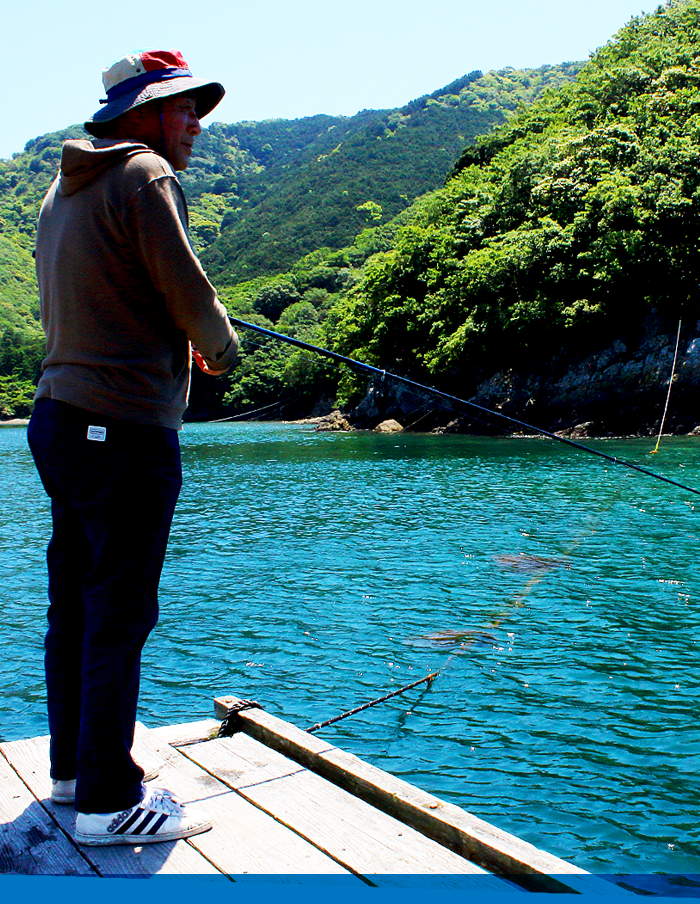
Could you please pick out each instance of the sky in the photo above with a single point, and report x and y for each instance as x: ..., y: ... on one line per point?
x: 285, y: 58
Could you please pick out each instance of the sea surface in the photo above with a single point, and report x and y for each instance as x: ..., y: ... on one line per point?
x: 558, y: 594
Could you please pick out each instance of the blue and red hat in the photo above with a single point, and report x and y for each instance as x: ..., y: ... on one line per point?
x: 150, y: 75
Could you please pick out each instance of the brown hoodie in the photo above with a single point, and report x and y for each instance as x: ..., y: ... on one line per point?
x: 122, y: 292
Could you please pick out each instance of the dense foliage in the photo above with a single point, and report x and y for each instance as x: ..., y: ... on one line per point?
x: 557, y: 232
x: 321, y: 180
x: 24, y: 181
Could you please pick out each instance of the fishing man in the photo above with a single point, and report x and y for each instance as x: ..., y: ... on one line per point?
x: 125, y: 306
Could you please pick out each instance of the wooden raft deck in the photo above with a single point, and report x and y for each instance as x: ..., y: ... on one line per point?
x: 286, y: 805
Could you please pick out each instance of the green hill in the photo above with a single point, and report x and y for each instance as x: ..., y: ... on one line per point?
x: 546, y: 276
x: 321, y: 180
x: 573, y: 228
x: 24, y: 180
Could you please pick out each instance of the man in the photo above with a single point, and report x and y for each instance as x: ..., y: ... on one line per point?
x: 123, y: 300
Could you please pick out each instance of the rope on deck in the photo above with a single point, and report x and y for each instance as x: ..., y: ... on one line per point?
x: 230, y: 724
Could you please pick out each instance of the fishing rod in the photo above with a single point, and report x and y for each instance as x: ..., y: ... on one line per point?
x: 360, y: 367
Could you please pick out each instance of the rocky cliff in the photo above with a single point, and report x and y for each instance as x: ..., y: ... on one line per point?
x: 619, y: 390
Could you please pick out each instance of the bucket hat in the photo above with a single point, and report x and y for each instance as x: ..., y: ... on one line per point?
x: 149, y: 75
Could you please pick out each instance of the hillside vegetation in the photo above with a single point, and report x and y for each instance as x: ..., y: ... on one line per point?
x: 319, y: 181
x: 572, y: 226
x: 546, y: 275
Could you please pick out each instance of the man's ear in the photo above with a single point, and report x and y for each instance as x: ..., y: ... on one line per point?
x: 142, y: 113
x: 140, y: 123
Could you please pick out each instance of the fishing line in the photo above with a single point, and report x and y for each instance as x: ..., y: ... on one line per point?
x: 361, y: 367
x: 520, y: 597
x: 281, y: 404
x: 422, y: 417
x: 246, y: 414
x: 668, y: 396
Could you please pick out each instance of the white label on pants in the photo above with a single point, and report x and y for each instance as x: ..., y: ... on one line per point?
x: 99, y: 434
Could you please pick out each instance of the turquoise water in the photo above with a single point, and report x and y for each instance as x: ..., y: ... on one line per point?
x: 313, y: 572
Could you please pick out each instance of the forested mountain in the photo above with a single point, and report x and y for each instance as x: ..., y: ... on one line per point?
x: 572, y: 230
x: 548, y: 276
x: 319, y: 181
x: 264, y: 194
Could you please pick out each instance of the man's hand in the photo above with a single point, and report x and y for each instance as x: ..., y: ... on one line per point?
x: 204, y: 367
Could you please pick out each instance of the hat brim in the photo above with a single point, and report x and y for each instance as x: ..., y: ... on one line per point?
x: 207, y: 96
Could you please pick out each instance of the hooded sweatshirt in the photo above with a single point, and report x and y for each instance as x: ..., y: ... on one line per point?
x: 122, y: 292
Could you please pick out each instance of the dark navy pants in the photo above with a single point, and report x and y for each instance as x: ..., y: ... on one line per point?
x: 112, y: 503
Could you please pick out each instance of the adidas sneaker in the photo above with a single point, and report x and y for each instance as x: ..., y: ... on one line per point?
x: 159, y: 817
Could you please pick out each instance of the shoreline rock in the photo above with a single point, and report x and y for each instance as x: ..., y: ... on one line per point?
x: 389, y: 426
x: 15, y: 422
x: 335, y: 421
x: 617, y: 390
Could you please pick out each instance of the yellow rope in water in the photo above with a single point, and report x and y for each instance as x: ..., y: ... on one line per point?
x: 668, y: 396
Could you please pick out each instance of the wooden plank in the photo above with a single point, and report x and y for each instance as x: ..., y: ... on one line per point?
x: 362, y: 838
x: 456, y: 829
x: 30, y: 759
x: 31, y: 843
x: 243, y: 840
x: 147, y: 751
x: 186, y: 733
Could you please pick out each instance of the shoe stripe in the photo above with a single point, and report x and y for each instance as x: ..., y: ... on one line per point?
x: 156, y: 825
x: 130, y: 821
x: 145, y: 822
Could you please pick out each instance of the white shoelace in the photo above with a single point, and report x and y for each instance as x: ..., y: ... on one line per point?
x: 161, y: 800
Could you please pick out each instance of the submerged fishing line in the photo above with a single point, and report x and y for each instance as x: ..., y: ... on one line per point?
x: 361, y: 367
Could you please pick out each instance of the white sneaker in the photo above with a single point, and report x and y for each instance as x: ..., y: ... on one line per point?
x: 63, y: 792
x: 159, y: 817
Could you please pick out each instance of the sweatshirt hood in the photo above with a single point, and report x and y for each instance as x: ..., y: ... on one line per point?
x: 83, y: 160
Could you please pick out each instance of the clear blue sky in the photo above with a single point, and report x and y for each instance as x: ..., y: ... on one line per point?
x: 284, y: 58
